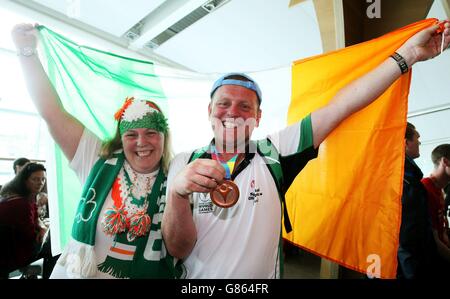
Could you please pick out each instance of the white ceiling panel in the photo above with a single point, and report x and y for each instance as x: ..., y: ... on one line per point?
x: 250, y: 35
x: 112, y: 16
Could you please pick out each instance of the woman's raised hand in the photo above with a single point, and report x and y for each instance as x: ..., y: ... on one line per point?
x: 24, y: 35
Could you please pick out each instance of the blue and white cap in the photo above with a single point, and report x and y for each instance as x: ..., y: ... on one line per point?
x: 251, y: 84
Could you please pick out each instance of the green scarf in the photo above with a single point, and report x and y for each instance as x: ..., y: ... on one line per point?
x: 150, y: 258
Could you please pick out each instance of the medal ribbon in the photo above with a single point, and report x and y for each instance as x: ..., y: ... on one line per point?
x: 228, y: 165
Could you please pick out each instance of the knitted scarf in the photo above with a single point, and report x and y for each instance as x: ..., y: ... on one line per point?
x: 144, y: 257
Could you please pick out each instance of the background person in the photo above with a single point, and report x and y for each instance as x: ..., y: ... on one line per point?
x: 19, y: 163
x: 416, y: 243
x: 19, y: 212
x: 434, y: 184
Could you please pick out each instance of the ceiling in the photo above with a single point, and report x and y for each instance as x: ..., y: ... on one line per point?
x: 111, y: 19
x: 217, y: 36
x: 242, y: 35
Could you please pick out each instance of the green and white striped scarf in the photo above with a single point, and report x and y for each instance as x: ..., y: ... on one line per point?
x: 146, y: 256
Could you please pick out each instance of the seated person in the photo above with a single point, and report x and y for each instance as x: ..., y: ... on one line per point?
x: 18, y: 210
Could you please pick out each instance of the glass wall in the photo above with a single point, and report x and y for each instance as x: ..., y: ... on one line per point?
x: 22, y: 131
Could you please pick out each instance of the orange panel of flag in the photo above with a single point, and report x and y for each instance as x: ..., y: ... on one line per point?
x: 346, y: 204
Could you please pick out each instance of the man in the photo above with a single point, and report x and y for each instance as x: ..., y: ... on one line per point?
x: 416, y: 247
x: 19, y: 164
x: 434, y: 184
x: 244, y: 240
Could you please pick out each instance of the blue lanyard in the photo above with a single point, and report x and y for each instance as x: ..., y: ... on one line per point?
x: 228, y: 165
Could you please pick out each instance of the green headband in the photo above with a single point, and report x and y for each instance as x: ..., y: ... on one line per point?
x: 155, y: 121
x: 136, y: 114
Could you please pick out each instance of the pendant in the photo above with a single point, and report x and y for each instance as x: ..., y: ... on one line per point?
x: 225, y: 195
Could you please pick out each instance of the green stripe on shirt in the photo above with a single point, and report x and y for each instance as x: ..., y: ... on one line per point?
x: 306, y: 134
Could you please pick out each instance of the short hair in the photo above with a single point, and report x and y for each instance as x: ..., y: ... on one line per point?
x: 441, y: 151
x: 410, y: 130
x: 20, y: 162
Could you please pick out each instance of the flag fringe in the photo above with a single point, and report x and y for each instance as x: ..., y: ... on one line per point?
x: 79, y: 260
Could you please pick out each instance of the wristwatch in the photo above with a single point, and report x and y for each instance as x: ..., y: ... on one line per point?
x: 26, y: 51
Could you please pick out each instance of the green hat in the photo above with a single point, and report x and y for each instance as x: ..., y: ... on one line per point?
x: 136, y: 114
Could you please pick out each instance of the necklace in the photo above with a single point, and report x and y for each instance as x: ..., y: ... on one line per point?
x: 130, y: 192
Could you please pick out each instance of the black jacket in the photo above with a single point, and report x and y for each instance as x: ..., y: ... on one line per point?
x: 416, y: 247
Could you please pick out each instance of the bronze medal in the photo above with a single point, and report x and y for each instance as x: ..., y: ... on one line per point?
x: 225, y: 195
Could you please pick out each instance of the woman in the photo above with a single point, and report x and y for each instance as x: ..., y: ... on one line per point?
x: 116, y: 232
x: 18, y: 211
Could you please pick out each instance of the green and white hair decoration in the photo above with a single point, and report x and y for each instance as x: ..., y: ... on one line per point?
x: 136, y: 114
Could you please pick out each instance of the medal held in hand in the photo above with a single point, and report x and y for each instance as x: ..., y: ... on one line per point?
x: 226, y: 194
